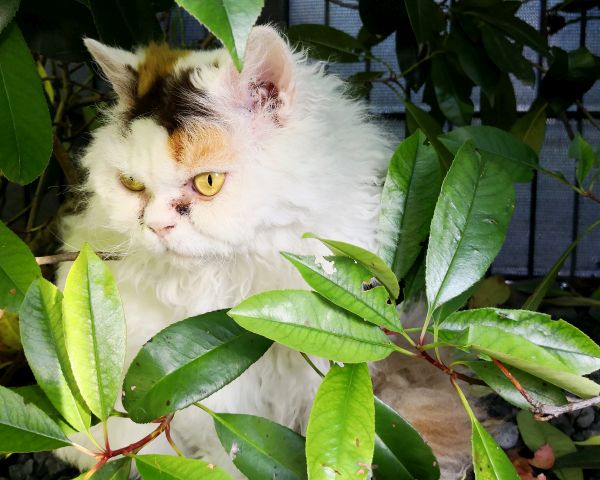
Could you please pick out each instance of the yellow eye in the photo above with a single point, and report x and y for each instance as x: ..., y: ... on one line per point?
x: 131, y: 183
x: 209, y: 183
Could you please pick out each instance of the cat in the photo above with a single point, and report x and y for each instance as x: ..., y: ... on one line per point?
x: 199, y: 177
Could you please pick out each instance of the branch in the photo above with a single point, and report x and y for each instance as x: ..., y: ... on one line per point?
x: 450, y: 372
x: 71, y: 256
x: 586, y: 112
x: 65, y: 162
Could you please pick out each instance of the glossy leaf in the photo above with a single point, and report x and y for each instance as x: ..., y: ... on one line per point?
x: 400, y: 452
x: 535, y: 434
x: 502, y: 112
x: 43, y: 338
x: 537, y: 389
x: 168, y: 467
x: 452, y: 92
x: 516, y: 158
x: 325, y: 43
x: 426, y: 18
x: 369, y: 260
x: 522, y: 342
x: 489, y: 461
x: 468, y: 226
x: 18, y: 269
x: 261, y: 448
x: 407, y: 202
x: 531, y: 128
x: 432, y: 130
x: 307, y: 322
x: 94, y: 326
x: 229, y: 20
x: 25, y: 128
x: 186, y: 362
x: 341, y: 428
x: 8, y: 8
x: 35, y: 395
x: 342, y: 281
x: 115, y: 470
x: 582, y: 152
x: 536, y: 298
x: 26, y: 428
x: 507, y: 55
x: 125, y: 23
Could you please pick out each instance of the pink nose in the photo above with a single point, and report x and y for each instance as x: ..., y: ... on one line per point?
x: 160, y: 230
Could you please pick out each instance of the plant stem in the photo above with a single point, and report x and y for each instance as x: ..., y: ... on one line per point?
x: 312, y: 365
x: 171, y: 442
x: 71, y: 256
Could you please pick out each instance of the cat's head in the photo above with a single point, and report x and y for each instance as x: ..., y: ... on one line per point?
x: 188, y: 161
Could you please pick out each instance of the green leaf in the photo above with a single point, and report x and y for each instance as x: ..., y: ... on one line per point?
x: 531, y: 128
x: 326, y: 43
x: 535, y: 434
x: 25, y: 128
x: 341, y: 428
x: 400, y: 452
x: 421, y: 119
x: 229, y: 20
x: 43, y: 339
x: 594, y: 440
x: 407, y: 202
x: 584, y: 458
x: 452, y: 91
x: 426, y: 19
x: 536, y: 298
x: 516, y: 158
x: 18, y: 269
x: 8, y: 9
x: 489, y: 461
x: 115, y: 470
x: 468, y: 226
x: 125, y: 23
x: 186, y: 362
x: 507, y: 55
x: 582, y: 152
x: 95, y: 331
x: 26, y: 428
x: 554, y: 351
x: 502, y: 112
x: 261, y: 448
x: 168, y: 467
x: 537, y: 389
x: 342, y: 281
x: 34, y: 394
x: 307, y: 322
x: 369, y: 260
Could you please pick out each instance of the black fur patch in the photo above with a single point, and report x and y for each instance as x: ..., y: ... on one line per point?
x: 168, y: 102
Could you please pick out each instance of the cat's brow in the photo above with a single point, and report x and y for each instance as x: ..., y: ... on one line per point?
x: 163, y: 93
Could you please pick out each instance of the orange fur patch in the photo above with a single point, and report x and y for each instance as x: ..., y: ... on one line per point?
x: 159, y: 62
x: 200, y: 145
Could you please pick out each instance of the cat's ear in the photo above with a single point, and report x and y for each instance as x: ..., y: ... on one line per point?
x: 268, y: 72
x: 117, y: 65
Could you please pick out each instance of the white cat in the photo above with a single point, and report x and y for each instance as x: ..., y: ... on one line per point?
x: 200, y: 177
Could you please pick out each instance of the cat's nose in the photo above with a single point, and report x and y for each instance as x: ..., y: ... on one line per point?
x: 160, y: 229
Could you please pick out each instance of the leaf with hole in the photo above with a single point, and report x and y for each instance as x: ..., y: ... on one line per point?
x: 261, y: 448
x: 341, y: 429
x: 26, y: 428
x: 43, y: 338
x: 186, y: 362
x: 369, y: 260
x: 94, y: 326
x: 407, y: 202
x: 468, y: 226
x: 307, y: 322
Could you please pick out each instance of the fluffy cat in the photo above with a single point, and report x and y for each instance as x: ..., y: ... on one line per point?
x: 199, y: 178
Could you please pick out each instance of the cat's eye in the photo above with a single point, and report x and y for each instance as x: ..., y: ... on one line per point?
x: 131, y: 183
x: 209, y: 183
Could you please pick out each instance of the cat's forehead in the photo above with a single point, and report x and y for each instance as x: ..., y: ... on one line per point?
x: 171, y: 85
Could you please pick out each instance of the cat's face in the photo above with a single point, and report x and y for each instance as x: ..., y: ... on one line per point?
x: 185, y: 167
